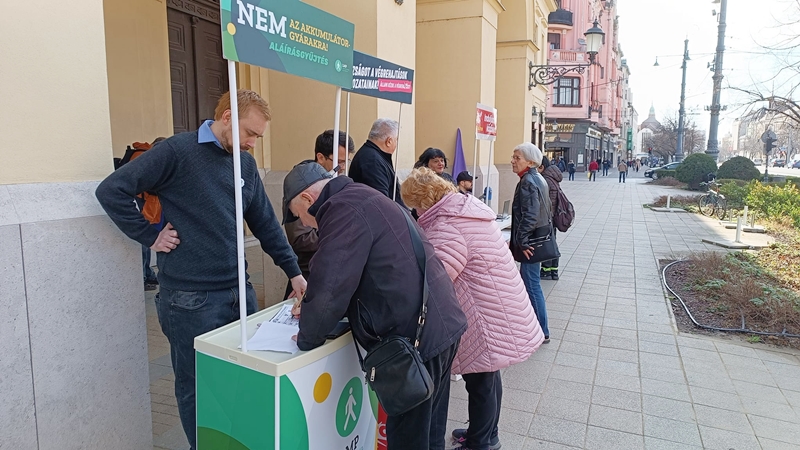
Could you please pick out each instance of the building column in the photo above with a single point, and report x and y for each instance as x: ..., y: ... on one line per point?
x: 72, y: 317
x: 456, y: 60
x: 521, y: 39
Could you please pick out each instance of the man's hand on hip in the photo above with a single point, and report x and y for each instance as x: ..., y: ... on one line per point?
x: 167, y: 240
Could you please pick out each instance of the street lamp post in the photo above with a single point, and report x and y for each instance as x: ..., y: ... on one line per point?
x: 547, y: 74
x: 682, y: 111
x: 713, y: 144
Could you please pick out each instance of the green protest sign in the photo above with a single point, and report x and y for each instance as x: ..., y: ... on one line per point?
x: 288, y: 36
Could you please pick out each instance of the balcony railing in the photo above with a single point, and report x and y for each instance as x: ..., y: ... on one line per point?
x: 567, y: 56
x: 560, y: 17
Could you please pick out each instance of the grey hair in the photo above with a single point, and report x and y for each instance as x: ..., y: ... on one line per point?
x: 383, y: 129
x: 530, y: 152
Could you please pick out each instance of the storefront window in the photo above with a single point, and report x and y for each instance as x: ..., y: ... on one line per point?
x: 567, y: 92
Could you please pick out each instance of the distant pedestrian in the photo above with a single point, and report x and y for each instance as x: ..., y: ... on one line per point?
x: 561, y: 165
x: 623, y: 172
x: 606, y: 166
x: 593, y: 168
x: 530, y: 210
x: 571, y: 169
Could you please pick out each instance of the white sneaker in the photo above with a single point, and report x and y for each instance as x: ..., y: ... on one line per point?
x: 455, y: 377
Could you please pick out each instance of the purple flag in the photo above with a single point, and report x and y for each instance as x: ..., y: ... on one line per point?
x: 459, y: 163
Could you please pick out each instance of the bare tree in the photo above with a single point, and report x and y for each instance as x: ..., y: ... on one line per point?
x: 665, y: 139
x: 778, y: 93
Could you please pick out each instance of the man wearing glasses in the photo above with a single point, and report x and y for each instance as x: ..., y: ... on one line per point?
x: 304, y: 239
x: 323, y: 151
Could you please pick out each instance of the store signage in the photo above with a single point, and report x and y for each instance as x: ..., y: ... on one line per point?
x: 629, y: 143
x: 378, y: 78
x: 486, y: 123
x: 288, y: 36
x: 594, y: 133
x: 560, y: 128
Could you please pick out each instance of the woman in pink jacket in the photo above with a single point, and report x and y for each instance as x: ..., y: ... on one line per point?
x: 503, y: 329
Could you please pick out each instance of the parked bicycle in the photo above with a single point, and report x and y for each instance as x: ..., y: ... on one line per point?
x: 713, y: 203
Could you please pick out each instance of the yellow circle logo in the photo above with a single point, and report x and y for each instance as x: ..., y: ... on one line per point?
x: 322, y: 388
x: 231, y: 28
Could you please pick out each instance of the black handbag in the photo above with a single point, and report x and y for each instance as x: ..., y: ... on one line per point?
x: 543, y: 242
x: 393, y: 367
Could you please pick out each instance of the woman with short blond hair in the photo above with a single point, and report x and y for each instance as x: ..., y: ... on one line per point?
x: 503, y: 329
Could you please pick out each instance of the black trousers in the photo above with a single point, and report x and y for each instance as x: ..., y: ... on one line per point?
x: 485, y: 391
x: 424, y: 427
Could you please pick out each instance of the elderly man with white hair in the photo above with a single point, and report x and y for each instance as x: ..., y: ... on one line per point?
x: 372, y: 164
x: 530, y: 210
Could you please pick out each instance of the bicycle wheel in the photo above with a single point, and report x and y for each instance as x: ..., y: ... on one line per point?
x: 706, y: 204
x: 721, y: 208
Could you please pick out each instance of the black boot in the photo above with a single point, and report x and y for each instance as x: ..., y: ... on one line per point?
x: 554, y: 273
x: 543, y: 273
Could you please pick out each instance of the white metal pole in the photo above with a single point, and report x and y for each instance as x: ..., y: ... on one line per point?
x: 396, y: 153
x: 489, y: 172
x: 738, y: 230
x: 337, y: 113
x: 347, y: 138
x: 475, y: 160
x: 237, y: 189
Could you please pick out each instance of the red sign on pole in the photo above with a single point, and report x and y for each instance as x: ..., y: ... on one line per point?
x: 486, y: 123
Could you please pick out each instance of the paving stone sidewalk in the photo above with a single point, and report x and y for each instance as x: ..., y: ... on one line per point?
x: 617, y: 374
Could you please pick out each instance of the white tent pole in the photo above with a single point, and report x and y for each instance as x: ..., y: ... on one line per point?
x: 475, y: 160
x: 237, y: 189
x: 396, y: 152
x: 337, y: 113
x: 489, y: 172
x: 347, y: 138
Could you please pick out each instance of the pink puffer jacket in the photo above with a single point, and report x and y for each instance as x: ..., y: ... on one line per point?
x: 503, y: 329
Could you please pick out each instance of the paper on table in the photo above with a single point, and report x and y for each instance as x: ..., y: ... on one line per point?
x: 285, y: 317
x: 276, y: 337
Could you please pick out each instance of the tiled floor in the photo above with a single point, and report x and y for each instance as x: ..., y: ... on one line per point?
x: 617, y: 374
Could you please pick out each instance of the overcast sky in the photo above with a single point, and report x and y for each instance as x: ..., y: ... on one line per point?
x: 650, y: 28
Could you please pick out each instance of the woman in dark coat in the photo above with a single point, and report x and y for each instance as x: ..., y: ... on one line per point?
x: 530, y: 210
x: 434, y: 159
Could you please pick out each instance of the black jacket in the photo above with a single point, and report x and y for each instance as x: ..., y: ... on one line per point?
x: 365, y: 268
x: 530, y: 210
x: 373, y: 167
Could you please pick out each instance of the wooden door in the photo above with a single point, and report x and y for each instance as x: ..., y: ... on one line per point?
x: 198, y: 74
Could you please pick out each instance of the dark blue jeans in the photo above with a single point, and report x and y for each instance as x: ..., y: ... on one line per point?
x: 622, y: 175
x: 424, y: 427
x: 533, y: 284
x: 183, y: 316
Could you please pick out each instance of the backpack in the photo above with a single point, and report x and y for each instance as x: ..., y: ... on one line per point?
x: 565, y: 213
x: 151, y: 205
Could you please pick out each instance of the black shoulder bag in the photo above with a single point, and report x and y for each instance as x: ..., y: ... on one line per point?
x: 394, y: 368
x: 543, y: 242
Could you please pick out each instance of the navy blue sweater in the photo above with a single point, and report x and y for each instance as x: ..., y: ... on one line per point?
x: 195, y: 185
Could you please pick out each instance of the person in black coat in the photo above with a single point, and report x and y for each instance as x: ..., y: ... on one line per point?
x: 530, y: 210
x: 365, y: 268
x: 372, y: 164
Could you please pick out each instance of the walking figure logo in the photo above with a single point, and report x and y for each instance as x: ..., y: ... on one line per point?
x: 349, y: 407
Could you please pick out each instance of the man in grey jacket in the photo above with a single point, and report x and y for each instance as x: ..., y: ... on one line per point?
x: 192, y: 175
